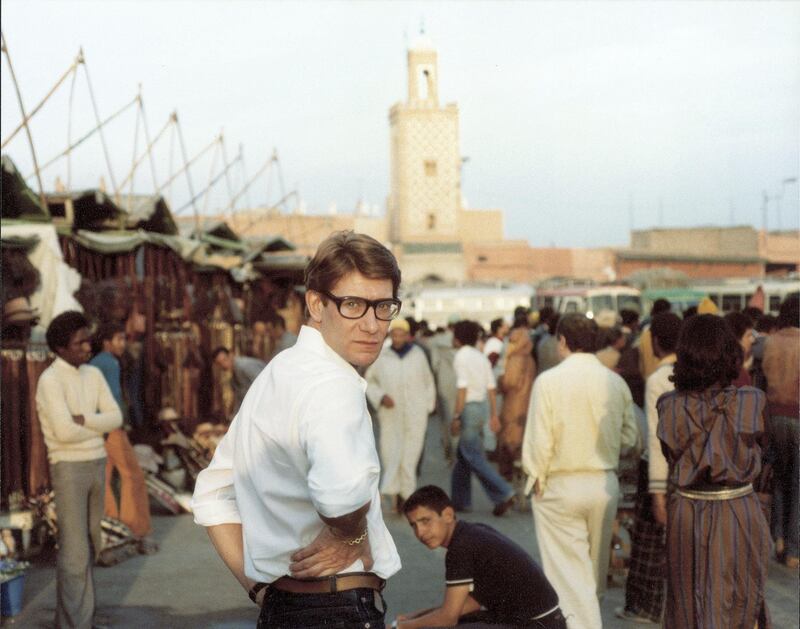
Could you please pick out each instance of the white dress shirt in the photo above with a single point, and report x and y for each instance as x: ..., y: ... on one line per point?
x: 580, y: 417
x: 473, y: 373
x: 301, y: 445
x: 657, y: 384
x: 64, y: 391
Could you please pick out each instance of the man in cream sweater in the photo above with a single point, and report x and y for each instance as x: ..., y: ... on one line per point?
x: 75, y: 408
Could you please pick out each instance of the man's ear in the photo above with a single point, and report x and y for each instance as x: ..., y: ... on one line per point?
x: 448, y: 514
x: 314, y: 305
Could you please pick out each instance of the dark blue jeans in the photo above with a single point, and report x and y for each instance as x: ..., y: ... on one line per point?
x: 361, y: 608
x: 471, y: 459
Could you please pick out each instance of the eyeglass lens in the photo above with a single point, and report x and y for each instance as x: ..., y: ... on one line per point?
x: 355, y: 308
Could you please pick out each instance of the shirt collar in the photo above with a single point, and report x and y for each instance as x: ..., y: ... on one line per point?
x: 581, y: 356
x: 60, y: 363
x: 312, y: 340
x: 669, y: 359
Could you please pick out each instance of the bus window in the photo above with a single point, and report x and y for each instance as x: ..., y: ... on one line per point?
x: 774, y: 303
x: 731, y: 303
x: 629, y: 302
x: 548, y: 301
x: 570, y: 306
x: 601, y: 302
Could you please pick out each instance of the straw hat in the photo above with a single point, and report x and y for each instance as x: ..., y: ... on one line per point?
x: 399, y: 324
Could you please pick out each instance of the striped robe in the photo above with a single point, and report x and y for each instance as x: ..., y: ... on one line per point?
x: 717, y: 551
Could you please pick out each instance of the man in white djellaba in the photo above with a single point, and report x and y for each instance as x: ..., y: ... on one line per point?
x: 401, y: 387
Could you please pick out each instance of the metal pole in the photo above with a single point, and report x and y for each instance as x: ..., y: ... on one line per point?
x: 188, y: 174
x: 135, y: 149
x: 85, y: 137
x: 25, y: 120
x: 244, y: 177
x: 147, y: 138
x: 97, y: 119
x: 227, y: 173
x: 211, y: 174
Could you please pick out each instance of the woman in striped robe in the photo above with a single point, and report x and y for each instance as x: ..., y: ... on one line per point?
x: 712, y: 435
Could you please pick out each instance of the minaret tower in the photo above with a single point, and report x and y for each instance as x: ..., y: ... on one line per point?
x: 425, y: 198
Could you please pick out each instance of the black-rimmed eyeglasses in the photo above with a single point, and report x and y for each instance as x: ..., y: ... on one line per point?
x: 356, y: 307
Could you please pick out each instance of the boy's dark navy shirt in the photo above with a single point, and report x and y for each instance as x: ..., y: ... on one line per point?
x: 504, y: 578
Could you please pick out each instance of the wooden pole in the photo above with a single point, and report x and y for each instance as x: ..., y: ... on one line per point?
x: 24, y: 120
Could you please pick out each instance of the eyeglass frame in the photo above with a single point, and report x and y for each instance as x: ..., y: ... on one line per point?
x: 371, y: 303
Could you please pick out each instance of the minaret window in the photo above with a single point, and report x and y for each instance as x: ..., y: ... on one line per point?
x: 425, y: 81
x: 430, y: 168
x: 432, y: 220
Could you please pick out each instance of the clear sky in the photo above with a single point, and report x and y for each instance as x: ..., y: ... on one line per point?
x: 580, y: 120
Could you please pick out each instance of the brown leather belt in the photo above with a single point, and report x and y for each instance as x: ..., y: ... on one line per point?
x: 331, y: 584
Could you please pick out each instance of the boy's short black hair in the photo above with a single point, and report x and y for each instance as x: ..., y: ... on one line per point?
x: 61, y: 329
x: 789, y: 314
x: 578, y: 331
x: 666, y: 327
x: 107, y: 331
x: 739, y: 323
x: 467, y: 332
x: 495, y: 325
x: 766, y: 323
x: 430, y: 497
x: 628, y: 316
x: 660, y: 305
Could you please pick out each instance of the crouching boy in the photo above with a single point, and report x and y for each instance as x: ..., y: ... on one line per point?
x: 490, y: 580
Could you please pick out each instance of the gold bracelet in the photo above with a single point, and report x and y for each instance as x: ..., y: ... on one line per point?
x: 356, y: 541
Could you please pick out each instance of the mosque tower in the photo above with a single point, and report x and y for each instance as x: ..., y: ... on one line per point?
x: 425, y: 199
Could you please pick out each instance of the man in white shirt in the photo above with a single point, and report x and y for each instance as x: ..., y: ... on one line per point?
x: 475, y: 402
x: 76, y: 407
x: 291, y: 494
x: 580, y: 418
x: 400, y: 385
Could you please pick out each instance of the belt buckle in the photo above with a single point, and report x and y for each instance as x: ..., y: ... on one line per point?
x: 332, y: 584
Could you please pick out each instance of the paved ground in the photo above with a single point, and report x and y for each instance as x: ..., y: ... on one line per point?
x: 186, y: 584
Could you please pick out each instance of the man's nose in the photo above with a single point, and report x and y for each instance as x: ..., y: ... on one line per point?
x: 369, y: 322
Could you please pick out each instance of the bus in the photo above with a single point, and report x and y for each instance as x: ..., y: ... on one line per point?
x: 589, y: 300
x: 681, y: 299
x: 734, y: 295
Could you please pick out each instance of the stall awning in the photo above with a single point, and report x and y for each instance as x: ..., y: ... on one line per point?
x: 18, y: 200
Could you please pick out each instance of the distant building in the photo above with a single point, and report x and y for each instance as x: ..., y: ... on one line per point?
x: 711, y: 252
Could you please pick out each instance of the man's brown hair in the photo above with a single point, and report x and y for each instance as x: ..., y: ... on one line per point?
x: 346, y: 251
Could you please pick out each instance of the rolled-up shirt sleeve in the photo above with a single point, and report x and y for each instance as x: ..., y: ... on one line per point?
x: 336, y: 434
x: 214, y: 498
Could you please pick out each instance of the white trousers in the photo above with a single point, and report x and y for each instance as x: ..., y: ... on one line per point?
x: 573, y: 523
x: 401, y: 441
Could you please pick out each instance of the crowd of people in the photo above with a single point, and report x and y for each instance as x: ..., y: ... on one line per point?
x: 709, y: 406
x: 295, y: 496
